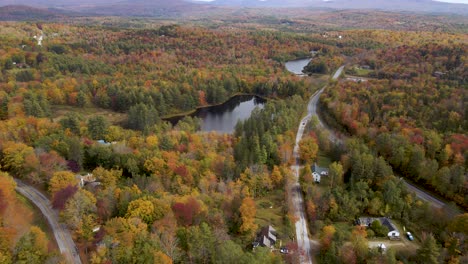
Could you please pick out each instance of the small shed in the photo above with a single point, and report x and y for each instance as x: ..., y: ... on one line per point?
x: 382, y: 248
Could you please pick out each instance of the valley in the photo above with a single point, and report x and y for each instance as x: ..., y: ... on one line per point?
x: 233, y: 132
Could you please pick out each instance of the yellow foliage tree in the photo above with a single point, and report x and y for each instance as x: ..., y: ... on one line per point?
x: 108, y: 178
x: 60, y: 180
x: 248, y: 211
x: 327, y: 235
x: 142, y: 209
x: 308, y: 149
x: 161, y: 258
x: 152, y: 141
x: 15, y: 155
x: 40, y: 239
x: 276, y: 176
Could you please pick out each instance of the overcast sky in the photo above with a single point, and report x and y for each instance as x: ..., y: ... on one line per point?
x: 455, y: 1
x: 448, y: 1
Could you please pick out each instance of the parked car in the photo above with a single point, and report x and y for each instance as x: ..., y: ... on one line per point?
x: 410, y: 236
x: 284, y: 250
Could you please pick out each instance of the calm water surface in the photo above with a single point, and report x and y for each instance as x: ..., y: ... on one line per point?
x: 223, y: 118
x: 296, y: 66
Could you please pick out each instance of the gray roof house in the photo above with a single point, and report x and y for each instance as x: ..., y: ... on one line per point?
x: 266, y: 237
x: 320, y: 170
x: 393, y: 232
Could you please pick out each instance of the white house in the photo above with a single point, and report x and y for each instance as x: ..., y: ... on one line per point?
x: 316, y: 177
x: 318, y: 172
x: 393, y: 232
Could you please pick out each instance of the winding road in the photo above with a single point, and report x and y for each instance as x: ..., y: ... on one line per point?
x: 312, y: 110
x: 62, y: 235
x: 302, y: 232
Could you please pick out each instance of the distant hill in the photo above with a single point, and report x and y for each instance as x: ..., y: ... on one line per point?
x: 183, y: 8
x: 426, y: 6
x: 20, y: 12
x: 153, y: 8
x: 56, y: 3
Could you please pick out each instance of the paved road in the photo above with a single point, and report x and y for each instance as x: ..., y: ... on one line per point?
x: 61, y: 233
x: 302, y: 233
x: 424, y: 195
x: 312, y: 109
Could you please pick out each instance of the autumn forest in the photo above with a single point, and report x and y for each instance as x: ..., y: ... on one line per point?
x: 84, y: 105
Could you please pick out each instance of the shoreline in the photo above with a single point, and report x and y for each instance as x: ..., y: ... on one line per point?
x: 190, y: 112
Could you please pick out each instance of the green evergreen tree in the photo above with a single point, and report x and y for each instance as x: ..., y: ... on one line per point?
x: 97, y: 127
x: 429, y: 251
x: 141, y: 117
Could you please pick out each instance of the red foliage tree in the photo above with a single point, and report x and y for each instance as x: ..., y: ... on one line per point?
x: 185, y: 213
x: 62, y: 196
x: 3, y: 202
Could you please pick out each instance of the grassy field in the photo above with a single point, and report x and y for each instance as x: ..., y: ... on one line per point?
x: 270, y: 212
x: 358, y: 71
x: 323, y: 160
x: 319, y: 80
x: 115, y: 118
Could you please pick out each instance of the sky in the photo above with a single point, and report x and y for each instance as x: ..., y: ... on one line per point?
x: 447, y: 1
x: 455, y: 1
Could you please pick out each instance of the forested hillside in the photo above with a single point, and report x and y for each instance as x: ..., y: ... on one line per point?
x: 413, y: 109
x: 91, y: 98
x: 167, y: 194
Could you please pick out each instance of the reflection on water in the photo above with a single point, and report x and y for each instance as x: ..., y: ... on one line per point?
x: 296, y: 66
x: 223, y: 118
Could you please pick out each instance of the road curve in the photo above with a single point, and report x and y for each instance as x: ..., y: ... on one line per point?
x: 62, y: 235
x: 302, y: 232
x: 312, y: 110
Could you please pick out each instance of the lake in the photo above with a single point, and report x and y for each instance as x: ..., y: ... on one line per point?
x: 224, y: 117
x: 296, y: 66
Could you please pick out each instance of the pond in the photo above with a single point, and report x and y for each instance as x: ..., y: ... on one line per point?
x: 296, y: 66
x: 224, y: 117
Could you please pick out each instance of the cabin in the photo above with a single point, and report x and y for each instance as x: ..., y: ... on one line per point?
x: 266, y: 237
x: 86, y: 179
x: 393, y: 232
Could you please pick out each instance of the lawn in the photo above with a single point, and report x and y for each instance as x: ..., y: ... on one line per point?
x: 115, y: 118
x: 357, y: 71
x: 318, y: 81
x: 363, y: 72
x: 323, y: 160
x: 270, y: 212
